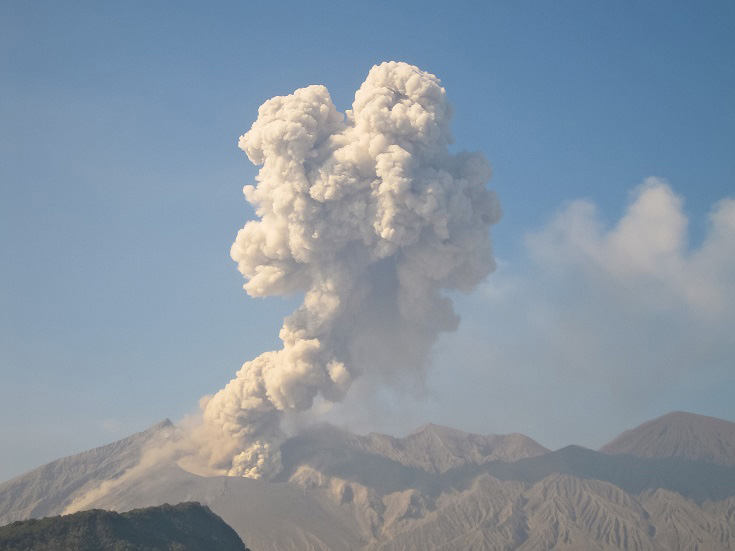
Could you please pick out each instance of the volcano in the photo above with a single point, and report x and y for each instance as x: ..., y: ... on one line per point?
x: 436, y: 489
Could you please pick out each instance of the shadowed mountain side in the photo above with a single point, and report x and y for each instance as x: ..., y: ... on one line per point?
x: 40, y: 492
x: 467, y: 510
x: 563, y: 512
x: 679, y: 434
x: 432, y: 448
x: 182, y: 527
x: 696, y: 480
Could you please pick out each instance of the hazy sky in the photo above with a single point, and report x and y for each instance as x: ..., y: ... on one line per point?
x: 610, y: 128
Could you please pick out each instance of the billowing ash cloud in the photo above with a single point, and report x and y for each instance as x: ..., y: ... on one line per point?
x: 371, y: 217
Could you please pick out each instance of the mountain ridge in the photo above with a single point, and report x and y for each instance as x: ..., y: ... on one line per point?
x: 440, y: 489
x: 431, y: 448
x: 35, y: 493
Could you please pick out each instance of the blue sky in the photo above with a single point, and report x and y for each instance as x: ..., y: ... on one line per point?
x: 121, y: 194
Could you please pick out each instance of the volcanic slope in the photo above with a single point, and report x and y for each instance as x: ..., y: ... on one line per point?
x: 432, y: 448
x: 47, y: 490
x: 440, y: 489
x: 679, y: 434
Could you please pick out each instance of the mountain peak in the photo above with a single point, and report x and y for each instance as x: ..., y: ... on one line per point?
x: 431, y: 448
x: 44, y: 487
x: 679, y: 434
x: 161, y: 425
x: 438, y: 430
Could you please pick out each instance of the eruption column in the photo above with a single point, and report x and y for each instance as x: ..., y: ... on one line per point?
x: 371, y: 217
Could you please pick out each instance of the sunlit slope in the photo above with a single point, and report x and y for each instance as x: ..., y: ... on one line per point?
x: 48, y: 489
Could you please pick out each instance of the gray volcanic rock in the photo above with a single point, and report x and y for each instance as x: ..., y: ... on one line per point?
x: 432, y: 448
x: 439, y: 490
x: 268, y: 516
x: 435, y: 448
x: 679, y: 434
x: 48, y: 489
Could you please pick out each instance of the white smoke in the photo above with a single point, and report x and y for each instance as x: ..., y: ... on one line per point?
x: 372, y: 218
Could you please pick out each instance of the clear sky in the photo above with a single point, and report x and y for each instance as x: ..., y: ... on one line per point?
x: 121, y: 194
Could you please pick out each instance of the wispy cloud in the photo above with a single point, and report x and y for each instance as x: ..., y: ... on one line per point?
x: 615, y: 322
x: 644, y: 260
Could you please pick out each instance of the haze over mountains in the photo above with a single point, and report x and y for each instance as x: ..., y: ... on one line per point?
x: 666, y: 485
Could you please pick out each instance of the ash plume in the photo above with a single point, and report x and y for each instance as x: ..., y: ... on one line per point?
x: 370, y: 216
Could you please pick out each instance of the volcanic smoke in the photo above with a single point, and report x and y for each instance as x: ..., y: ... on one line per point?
x: 370, y: 216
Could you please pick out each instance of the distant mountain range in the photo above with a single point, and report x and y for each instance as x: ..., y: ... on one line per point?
x: 666, y: 485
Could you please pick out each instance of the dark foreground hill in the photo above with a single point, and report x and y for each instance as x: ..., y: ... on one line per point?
x: 183, y: 527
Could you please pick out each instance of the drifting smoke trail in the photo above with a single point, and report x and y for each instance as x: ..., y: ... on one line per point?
x: 372, y: 218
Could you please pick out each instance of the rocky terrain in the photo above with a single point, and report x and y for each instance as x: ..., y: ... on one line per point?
x: 437, y: 489
x: 679, y: 434
x: 182, y: 527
